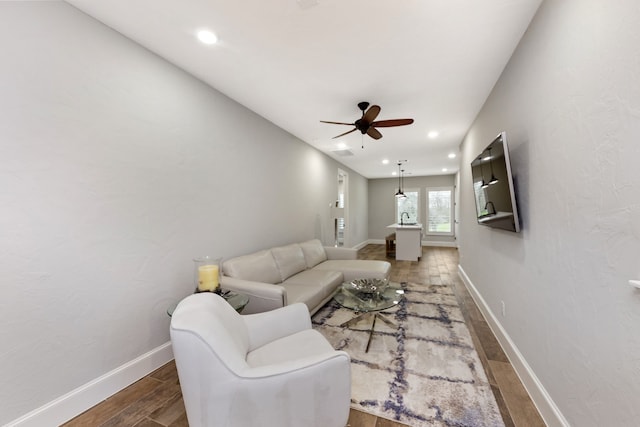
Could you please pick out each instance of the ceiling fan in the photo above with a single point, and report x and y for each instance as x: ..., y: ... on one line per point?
x: 366, y: 123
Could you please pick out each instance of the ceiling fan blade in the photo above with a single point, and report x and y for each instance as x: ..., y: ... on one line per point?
x: 373, y: 133
x: 336, y: 123
x: 343, y: 134
x: 393, y: 122
x: 371, y: 114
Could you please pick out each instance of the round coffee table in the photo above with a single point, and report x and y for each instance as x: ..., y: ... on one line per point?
x: 362, y: 302
x: 369, y: 304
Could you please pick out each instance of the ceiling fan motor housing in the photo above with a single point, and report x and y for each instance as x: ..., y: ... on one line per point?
x: 362, y: 125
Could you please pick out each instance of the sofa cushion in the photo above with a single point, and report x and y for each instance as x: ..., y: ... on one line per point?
x: 357, y: 269
x: 312, y: 286
x: 314, y: 252
x: 289, y: 259
x: 304, y: 294
x: 327, y: 280
x: 259, y: 267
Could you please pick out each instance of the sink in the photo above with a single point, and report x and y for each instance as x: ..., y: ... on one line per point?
x: 410, y: 223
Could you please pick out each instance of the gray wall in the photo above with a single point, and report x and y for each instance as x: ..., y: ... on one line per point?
x: 569, y: 101
x: 116, y: 169
x: 382, y: 203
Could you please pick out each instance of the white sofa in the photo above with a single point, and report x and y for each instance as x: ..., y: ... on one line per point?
x: 306, y: 272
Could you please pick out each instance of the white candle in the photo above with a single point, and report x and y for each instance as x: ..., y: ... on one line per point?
x: 208, y: 278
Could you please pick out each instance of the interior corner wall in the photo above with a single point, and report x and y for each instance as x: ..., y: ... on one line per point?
x: 569, y: 101
x: 116, y: 169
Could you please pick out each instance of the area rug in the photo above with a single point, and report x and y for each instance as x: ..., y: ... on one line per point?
x: 425, y: 371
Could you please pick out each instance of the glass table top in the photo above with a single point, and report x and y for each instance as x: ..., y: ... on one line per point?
x: 369, y: 301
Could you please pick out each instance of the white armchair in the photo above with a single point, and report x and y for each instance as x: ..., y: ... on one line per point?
x: 267, y: 369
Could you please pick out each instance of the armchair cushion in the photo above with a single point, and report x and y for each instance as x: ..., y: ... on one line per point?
x: 272, y: 325
x: 291, y: 348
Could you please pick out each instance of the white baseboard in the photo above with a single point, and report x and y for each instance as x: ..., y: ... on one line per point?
x: 362, y: 245
x: 424, y: 243
x: 546, y: 406
x: 374, y: 242
x: 439, y: 244
x: 84, y: 397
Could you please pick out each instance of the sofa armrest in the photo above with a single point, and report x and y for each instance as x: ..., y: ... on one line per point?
x: 262, y: 296
x: 267, y: 327
x: 340, y: 253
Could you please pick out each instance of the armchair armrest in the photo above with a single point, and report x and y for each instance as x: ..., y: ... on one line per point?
x: 267, y: 327
x: 262, y: 296
x: 340, y: 253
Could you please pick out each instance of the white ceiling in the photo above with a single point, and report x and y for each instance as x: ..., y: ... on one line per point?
x: 298, y: 62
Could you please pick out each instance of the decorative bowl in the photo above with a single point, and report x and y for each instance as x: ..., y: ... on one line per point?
x: 367, y: 286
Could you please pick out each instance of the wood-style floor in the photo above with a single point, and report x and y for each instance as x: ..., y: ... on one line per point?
x: 156, y: 401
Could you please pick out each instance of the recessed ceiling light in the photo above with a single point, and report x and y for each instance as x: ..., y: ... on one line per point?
x: 207, y: 37
x: 385, y: 162
x: 394, y: 173
x: 342, y: 145
x: 452, y: 155
x: 444, y: 169
x: 433, y: 134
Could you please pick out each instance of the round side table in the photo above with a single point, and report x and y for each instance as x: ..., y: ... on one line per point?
x: 235, y: 300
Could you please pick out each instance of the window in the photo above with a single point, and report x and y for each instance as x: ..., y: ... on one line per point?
x: 440, y: 211
x: 481, y: 198
x: 407, y: 207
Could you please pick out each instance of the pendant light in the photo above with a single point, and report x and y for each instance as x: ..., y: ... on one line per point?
x: 400, y: 194
x: 484, y: 183
x: 493, y: 177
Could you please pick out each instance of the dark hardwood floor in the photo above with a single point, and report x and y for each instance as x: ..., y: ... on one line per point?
x: 156, y: 401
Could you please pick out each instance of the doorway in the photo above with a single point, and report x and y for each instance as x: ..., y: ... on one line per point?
x: 340, y: 211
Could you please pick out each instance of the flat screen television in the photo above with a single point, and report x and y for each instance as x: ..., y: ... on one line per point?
x: 493, y: 187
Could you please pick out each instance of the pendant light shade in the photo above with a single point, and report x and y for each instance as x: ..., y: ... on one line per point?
x: 484, y: 184
x: 493, y: 179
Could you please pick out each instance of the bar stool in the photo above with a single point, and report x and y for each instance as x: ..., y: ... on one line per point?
x: 390, y: 245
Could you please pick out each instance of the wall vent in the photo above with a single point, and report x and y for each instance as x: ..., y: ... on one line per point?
x: 307, y: 4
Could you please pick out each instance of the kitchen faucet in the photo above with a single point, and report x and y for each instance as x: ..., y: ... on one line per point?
x: 493, y: 208
x: 402, y: 216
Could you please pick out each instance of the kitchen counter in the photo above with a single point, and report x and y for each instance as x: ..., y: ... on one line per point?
x: 498, y: 216
x: 408, y: 241
x: 406, y: 226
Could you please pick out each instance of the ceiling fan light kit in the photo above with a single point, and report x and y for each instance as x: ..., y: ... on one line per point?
x: 367, y: 124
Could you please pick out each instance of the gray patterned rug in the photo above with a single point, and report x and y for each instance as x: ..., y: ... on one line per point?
x: 425, y: 372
